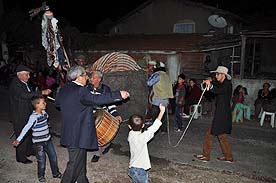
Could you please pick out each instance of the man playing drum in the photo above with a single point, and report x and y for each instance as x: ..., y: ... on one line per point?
x: 96, y: 87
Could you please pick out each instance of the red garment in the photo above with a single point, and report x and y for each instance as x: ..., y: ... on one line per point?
x: 41, y: 81
x: 240, y: 98
x: 195, y: 93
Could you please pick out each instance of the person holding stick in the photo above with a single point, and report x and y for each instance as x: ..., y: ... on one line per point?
x: 222, y: 122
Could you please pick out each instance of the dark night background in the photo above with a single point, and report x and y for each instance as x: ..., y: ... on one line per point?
x: 85, y: 15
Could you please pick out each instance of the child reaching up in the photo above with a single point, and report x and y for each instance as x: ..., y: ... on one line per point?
x: 41, y: 138
x: 139, y: 160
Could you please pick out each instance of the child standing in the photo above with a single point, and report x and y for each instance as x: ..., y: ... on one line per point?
x: 139, y: 160
x: 179, y: 100
x: 41, y: 138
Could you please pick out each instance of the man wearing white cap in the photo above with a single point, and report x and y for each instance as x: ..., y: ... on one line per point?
x: 222, y: 122
x: 162, y: 91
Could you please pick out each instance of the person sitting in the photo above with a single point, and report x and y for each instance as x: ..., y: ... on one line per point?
x: 239, y: 105
x: 270, y: 106
x: 193, y: 95
x: 263, y: 96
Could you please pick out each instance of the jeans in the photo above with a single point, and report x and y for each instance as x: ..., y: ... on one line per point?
x: 138, y: 175
x: 178, y: 117
x: 43, y: 148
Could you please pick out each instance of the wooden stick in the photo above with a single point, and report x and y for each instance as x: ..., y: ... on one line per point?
x: 50, y: 98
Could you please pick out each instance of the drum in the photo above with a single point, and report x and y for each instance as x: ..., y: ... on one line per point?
x: 107, y: 126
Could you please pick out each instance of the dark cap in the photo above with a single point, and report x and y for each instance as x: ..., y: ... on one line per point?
x: 23, y: 68
x: 182, y: 76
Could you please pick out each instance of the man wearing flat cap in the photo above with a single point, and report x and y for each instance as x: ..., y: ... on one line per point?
x: 222, y: 122
x: 21, y: 108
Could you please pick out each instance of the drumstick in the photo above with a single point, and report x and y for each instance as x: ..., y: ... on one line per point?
x: 51, y: 98
x: 124, y: 121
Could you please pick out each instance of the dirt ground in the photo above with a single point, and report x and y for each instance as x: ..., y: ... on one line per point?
x: 112, y: 167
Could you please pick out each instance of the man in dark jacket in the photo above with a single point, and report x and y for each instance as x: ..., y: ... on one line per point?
x: 21, y: 108
x: 222, y: 122
x: 78, y: 131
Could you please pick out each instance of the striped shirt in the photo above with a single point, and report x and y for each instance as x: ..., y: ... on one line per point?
x: 103, y: 89
x: 40, y: 128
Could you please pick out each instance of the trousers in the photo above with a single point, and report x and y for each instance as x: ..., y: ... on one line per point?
x: 224, y: 144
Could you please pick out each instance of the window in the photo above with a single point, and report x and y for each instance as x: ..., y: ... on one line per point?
x: 188, y: 27
x: 229, y: 29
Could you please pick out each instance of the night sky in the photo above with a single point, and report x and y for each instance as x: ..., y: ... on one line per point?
x: 85, y: 17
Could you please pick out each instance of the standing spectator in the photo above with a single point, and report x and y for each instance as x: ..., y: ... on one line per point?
x: 162, y: 91
x: 40, y: 80
x: 179, y: 100
x: 21, y: 108
x: 263, y: 96
x: 80, y: 60
x: 78, y: 131
x: 193, y: 95
x: 207, y: 64
x: 222, y: 123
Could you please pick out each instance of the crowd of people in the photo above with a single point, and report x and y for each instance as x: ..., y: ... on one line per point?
x: 83, y: 92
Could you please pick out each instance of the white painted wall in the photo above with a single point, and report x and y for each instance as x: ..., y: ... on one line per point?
x: 173, y: 66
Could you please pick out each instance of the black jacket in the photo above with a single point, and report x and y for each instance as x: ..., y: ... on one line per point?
x: 78, y: 124
x: 20, y: 104
x: 222, y: 122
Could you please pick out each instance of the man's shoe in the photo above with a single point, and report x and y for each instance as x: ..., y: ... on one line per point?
x: 27, y: 161
x: 42, y: 179
x: 95, y: 158
x: 30, y: 154
x: 225, y: 160
x: 106, y: 149
x: 201, y: 158
x: 58, y: 175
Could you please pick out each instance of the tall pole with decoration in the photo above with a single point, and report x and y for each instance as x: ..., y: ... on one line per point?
x: 52, y: 40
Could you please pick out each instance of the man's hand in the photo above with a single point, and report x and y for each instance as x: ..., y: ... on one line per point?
x: 124, y: 94
x: 207, y: 82
x: 119, y: 118
x: 46, y: 92
x: 15, y: 143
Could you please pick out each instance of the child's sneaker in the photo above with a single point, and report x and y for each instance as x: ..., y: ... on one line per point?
x: 178, y: 130
x: 59, y: 175
x: 185, y: 116
x: 42, y: 179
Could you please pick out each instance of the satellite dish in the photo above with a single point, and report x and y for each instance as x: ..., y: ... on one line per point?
x: 217, y: 21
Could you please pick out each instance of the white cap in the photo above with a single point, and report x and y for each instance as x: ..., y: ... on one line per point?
x: 161, y: 64
x: 152, y: 62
